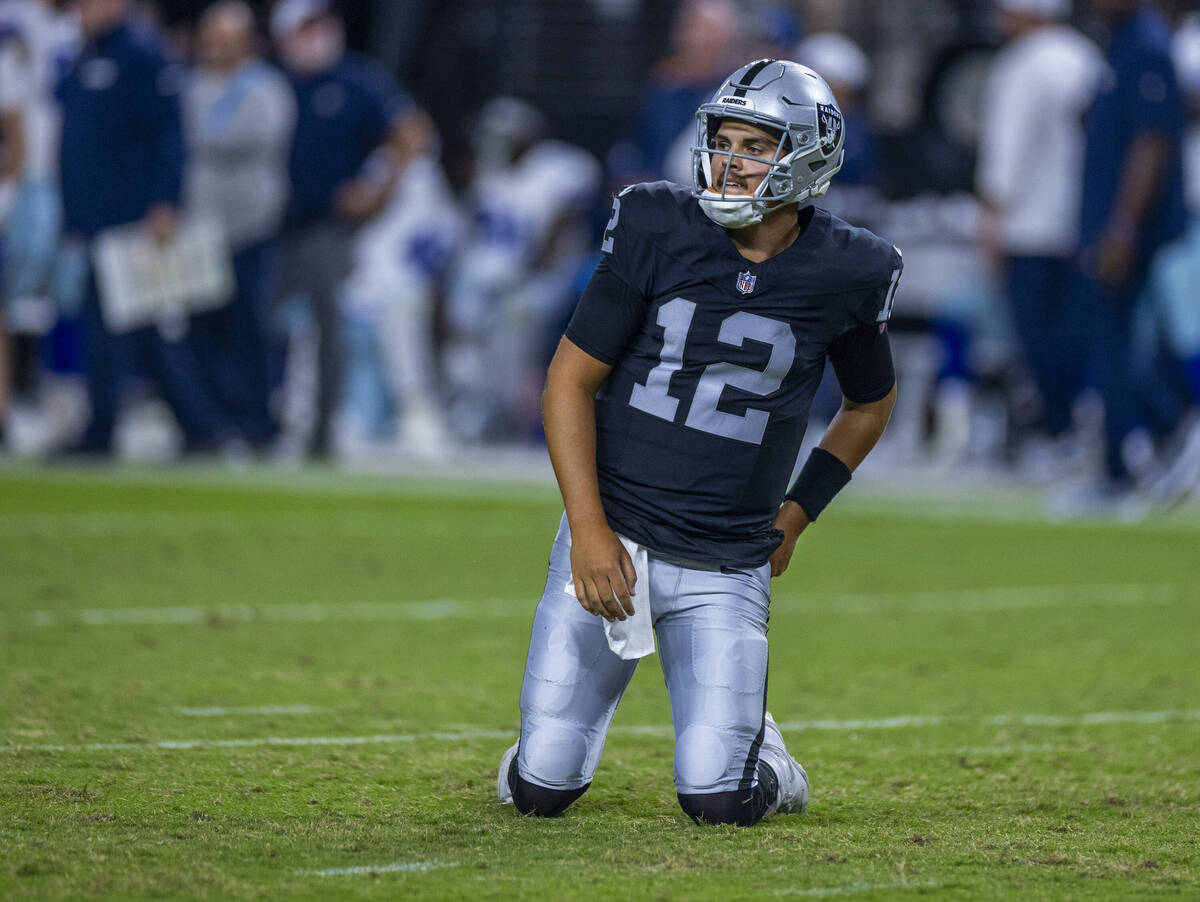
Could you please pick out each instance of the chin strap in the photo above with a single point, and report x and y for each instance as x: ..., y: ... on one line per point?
x: 733, y: 214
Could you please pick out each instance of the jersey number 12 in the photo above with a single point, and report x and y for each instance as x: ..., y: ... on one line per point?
x: 653, y: 397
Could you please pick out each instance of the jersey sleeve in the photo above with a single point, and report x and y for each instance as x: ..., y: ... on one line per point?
x: 608, y: 315
x: 627, y: 249
x: 1156, y: 105
x: 862, y: 360
x: 873, y: 306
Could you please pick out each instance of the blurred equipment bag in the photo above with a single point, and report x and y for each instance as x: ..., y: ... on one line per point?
x: 142, y: 282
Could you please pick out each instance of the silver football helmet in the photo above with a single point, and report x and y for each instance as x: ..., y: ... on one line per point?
x: 786, y: 98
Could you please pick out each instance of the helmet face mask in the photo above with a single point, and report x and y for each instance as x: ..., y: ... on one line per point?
x: 788, y: 100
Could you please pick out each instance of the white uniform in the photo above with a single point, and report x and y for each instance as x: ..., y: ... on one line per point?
x: 505, y: 291
x: 398, y: 258
x: 36, y: 47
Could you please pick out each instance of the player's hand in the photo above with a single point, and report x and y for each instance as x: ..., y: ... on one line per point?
x: 161, y: 222
x: 603, y: 573
x: 782, y: 556
x: 791, y: 520
x: 1115, y: 259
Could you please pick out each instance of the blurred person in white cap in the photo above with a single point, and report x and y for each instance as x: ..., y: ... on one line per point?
x: 1029, y: 180
x: 847, y: 71
x: 347, y: 106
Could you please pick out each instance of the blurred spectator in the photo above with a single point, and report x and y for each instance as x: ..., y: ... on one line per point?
x: 1029, y: 178
x: 528, y: 211
x: 121, y: 160
x: 846, y: 69
x: 1133, y: 204
x: 346, y: 108
x: 706, y: 45
x: 773, y: 31
x: 400, y: 259
x: 1173, y: 289
x: 239, y: 116
x: 36, y: 43
x: 12, y: 164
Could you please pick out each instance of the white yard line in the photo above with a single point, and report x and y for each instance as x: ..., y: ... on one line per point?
x: 1002, y: 598
x: 217, y: 711
x: 369, y: 869
x: 468, y: 735
x: 942, y: 601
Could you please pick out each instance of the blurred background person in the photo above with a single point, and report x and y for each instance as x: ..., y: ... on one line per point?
x: 847, y: 71
x: 239, y: 117
x: 1029, y: 178
x: 36, y: 43
x: 392, y: 394
x: 347, y: 107
x: 527, y: 209
x: 706, y: 44
x: 1173, y: 289
x: 1132, y: 206
x: 121, y: 161
x: 12, y: 164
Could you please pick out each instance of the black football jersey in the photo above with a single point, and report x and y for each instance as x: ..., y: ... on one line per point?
x: 700, y: 422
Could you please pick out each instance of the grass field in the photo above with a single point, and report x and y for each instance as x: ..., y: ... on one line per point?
x: 263, y: 687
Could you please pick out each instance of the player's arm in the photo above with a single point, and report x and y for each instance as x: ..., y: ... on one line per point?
x: 600, y: 567
x: 862, y: 359
x: 608, y: 316
x: 1139, y: 187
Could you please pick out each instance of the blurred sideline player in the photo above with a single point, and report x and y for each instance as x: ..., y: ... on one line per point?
x: 528, y: 206
x: 36, y: 45
x: 388, y: 299
x: 674, y: 411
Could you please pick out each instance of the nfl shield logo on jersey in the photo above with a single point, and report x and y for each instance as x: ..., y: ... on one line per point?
x: 746, y: 282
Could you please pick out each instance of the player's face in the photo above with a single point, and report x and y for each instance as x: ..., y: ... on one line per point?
x: 742, y: 138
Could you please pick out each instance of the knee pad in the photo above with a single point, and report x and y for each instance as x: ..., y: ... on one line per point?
x: 540, y: 801
x: 741, y: 807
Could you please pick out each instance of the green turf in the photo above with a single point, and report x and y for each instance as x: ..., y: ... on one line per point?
x: 399, y: 610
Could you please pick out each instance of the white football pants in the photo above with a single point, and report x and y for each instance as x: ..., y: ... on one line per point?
x: 711, y: 628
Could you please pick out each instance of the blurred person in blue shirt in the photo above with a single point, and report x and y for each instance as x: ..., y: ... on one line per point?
x: 1132, y: 205
x: 1172, y: 314
x: 239, y: 117
x: 121, y: 161
x: 347, y: 107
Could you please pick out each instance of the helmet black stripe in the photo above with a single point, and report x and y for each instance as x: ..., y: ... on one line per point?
x: 748, y: 79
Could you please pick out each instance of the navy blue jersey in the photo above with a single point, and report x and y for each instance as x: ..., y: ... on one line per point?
x: 1139, y: 94
x: 122, y: 137
x: 700, y: 422
x: 342, y: 115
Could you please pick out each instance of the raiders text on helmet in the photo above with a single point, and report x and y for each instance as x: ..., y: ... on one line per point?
x: 786, y: 98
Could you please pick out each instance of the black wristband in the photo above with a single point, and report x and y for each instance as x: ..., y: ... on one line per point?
x: 822, y: 477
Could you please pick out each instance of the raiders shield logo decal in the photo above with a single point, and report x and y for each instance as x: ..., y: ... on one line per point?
x: 829, y: 127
